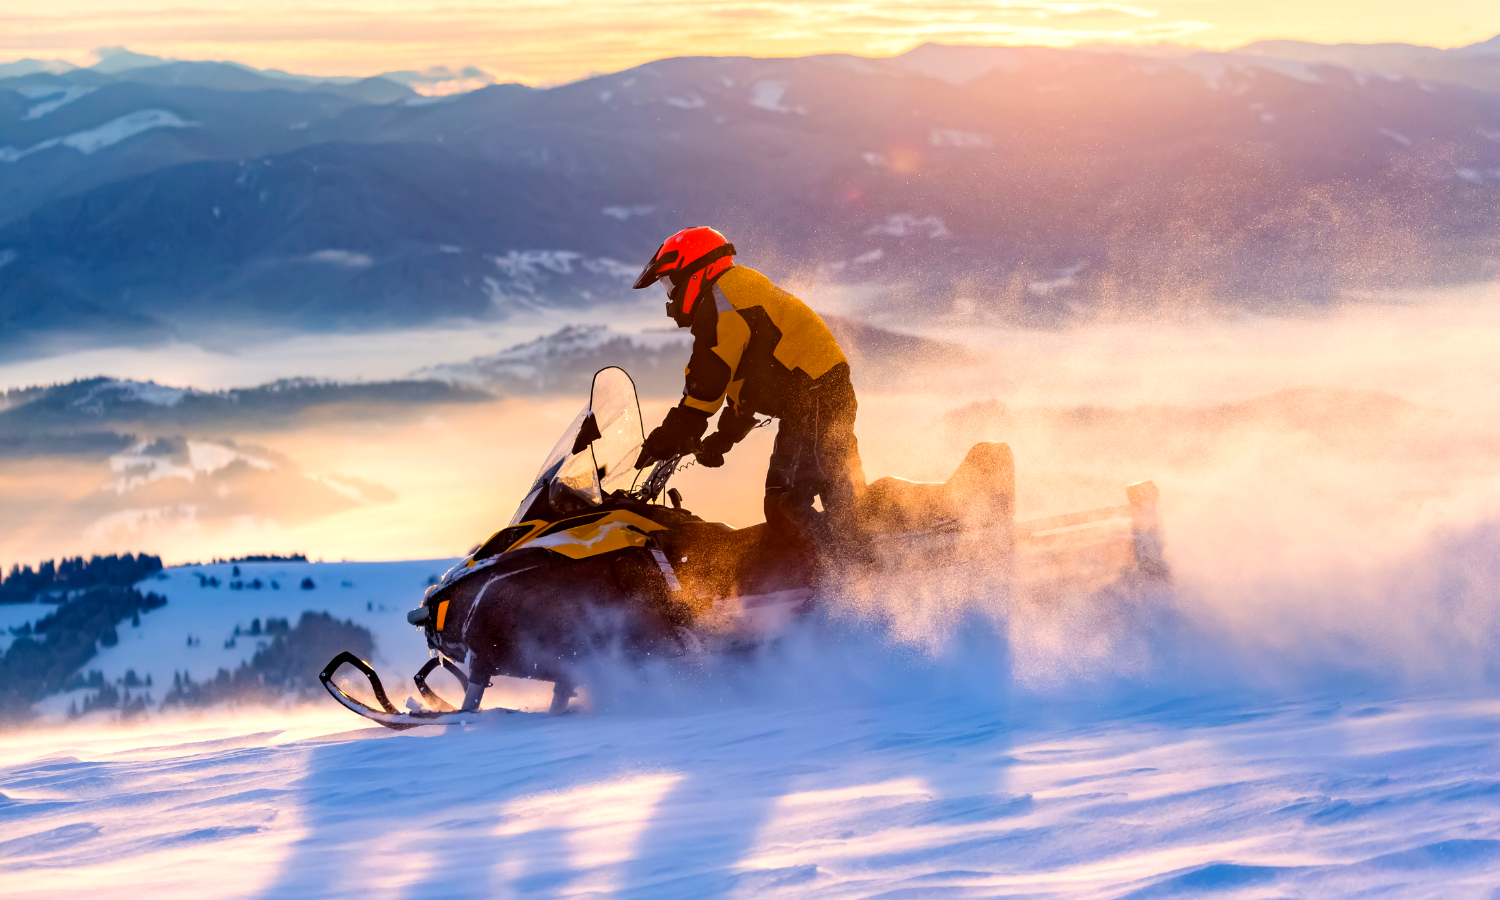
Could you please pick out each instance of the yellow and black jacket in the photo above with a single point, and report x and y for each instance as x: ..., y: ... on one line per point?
x: 758, y: 347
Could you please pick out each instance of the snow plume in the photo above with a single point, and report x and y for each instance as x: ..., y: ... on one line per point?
x: 1330, y: 499
x: 1329, y: 496
x: 958, y: 637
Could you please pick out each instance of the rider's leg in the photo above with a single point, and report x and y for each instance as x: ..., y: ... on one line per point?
x: 817, y: 455
x: 791, y: 484
x: 842, y: 478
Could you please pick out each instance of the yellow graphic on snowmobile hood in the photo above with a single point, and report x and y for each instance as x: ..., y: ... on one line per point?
x: 613, y: 531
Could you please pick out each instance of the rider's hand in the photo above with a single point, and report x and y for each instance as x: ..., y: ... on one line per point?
x: 711, y: 454
x: 676, y: 436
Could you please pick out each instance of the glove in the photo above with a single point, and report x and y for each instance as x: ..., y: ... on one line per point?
x: 711, y: 454
x: 733, y: 426
x: 676, y: 436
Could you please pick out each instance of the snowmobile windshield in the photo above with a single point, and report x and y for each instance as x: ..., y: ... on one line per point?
x: 596, y: 454
x: 617, y: 415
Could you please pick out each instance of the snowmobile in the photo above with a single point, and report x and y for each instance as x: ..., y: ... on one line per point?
x: 603, y: 559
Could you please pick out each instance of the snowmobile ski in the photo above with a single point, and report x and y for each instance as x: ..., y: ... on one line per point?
x: 389, y: 715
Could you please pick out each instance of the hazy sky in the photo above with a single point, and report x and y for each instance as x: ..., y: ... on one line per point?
x: 537, y: 41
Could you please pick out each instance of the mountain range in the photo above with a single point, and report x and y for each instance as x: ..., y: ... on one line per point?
x: 1476, y: 66
x: 144, y: 198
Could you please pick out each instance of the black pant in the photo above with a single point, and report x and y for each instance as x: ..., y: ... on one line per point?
x: 817, y: 455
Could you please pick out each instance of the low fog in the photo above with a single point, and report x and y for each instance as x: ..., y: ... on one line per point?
x: 1330, y: 484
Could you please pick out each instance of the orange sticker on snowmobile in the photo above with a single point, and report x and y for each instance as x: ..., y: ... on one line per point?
x: 442, y: 615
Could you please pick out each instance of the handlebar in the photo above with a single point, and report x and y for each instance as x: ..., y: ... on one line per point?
x: 656, y: 480
x: 662, y: 470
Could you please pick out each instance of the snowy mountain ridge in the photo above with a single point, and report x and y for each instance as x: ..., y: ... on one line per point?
x: 565, y: 361
x: 1034, y: 188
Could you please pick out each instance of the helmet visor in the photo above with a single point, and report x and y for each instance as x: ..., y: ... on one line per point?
x: 653, y: 268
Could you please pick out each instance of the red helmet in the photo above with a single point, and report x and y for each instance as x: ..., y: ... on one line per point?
x: 685, y: 261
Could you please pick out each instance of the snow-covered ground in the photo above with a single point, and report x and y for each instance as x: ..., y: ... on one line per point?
x: 939, y: 796
x: 849, y: 762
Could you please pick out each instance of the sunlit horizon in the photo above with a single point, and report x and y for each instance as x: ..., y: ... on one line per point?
x: 542, y: 43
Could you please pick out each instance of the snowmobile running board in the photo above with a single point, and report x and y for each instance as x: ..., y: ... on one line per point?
x: 391, y: 717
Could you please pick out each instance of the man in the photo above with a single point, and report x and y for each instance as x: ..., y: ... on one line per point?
x: 758, y: 349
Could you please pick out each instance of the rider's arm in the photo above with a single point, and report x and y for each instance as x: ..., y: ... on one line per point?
x: 720, y: 335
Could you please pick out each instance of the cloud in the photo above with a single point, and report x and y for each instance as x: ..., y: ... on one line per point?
x: 346, y: 258
x: 743, y: 13
x: 542, y: 42
x: 1102, y: 12
x: 539, y: 45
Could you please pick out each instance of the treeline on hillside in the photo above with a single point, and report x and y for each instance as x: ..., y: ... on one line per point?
x: 23, y: 585
x: 45, y: 659
x: 82, y: 443
x: 51, y: 659
x: 290, y: 664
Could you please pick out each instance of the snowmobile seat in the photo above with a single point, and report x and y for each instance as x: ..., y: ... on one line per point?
x: 980, y: 492
x: 713, y: 559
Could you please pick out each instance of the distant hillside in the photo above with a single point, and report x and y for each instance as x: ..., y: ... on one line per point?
x: 565, y: 362
x: 1016, y: 184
